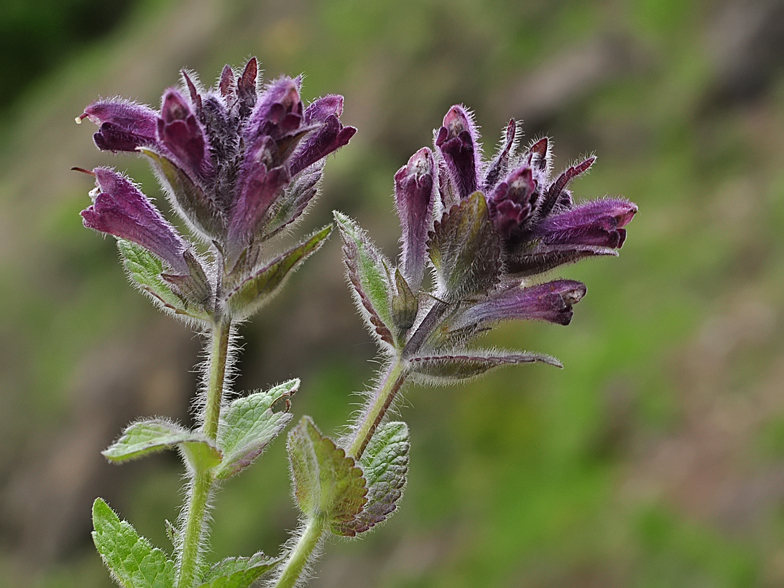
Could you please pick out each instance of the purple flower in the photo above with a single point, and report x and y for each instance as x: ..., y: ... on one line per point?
x: 182, y: 136
x: 458, y: 142
x: 328, y: 134
x: 415, y: 196
x: 599, y: 222
x: 550, y: 302
x: 120, y: 209
x: 123, y: 125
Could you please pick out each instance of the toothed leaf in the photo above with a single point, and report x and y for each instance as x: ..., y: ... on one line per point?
x: 259, y: 289
x: 368, y: 272
x: 238, y: 572
x: 327, y: 483
x: 451, y: 369
x: 385, y: 463
x: 465, y: 250
x: 153, y: 436
x: 131, y: 559
x: 145, y: 269
x: 249, y: 425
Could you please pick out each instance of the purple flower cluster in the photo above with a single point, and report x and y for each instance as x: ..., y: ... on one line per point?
x: 238, y: 164
x: 487, y: 229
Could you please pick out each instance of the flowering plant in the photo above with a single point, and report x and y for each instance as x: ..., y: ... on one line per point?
x: 239, y: 165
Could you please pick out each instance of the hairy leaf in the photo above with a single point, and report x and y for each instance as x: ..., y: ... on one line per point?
x: 238, y: 572
x: 451, y: 369
x: 465, y: 250
x: 249, y: 425
x: 131, y: 559
x: 327, y: 483
x: 385, y: 463
x: 259, y: 289
x: 145, y: 437
x: 145, y: 270
x: 368, y: 272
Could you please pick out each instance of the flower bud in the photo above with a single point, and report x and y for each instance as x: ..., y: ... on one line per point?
x: 458, y: 142
x: 415, y: 194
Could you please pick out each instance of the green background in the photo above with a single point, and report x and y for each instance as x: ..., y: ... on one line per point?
x: 654, y: 459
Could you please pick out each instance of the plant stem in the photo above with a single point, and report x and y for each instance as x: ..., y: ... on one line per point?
x: 302, y: 552
x: 219, y: 354
x: 191, y: 542
x: 201, y: 485
x: 377, y: 408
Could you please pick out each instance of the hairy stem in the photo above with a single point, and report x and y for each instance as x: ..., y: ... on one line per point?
x: 219, y: 354
x: 199, y: 491
x: 198, y: 498
x: 376, y: 409
x: 299, y: 557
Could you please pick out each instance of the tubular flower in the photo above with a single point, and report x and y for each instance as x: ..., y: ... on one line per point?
x: 486, y: 229
x: 238, y: 162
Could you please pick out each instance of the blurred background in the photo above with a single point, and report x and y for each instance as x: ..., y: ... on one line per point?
x: 654, y: 459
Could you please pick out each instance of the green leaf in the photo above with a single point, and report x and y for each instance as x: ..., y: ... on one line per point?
x: 145, y: 270
x: 452, y: 369
x: 152, y: 436
x: 368, y: 272
x: 385, y: 463
x: 327, y: 483
x: 249, y: 425
x: 131, y: 559
x: 466, y: 250
x: 238, y: 572
x: 404, y: 306
x: 202, y: 214
x: 259, y: 289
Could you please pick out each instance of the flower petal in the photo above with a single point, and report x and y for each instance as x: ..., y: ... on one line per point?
x: 120, y: 209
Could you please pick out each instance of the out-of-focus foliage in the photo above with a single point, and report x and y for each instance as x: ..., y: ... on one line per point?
x: 655, y: 458
x: 36, y: 36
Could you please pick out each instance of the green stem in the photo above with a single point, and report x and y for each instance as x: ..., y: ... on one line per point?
x: 194, y: 527
x: 219, y: 354
x: 374, y: 413
x: 302, y: 552
x: 198, y: 496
